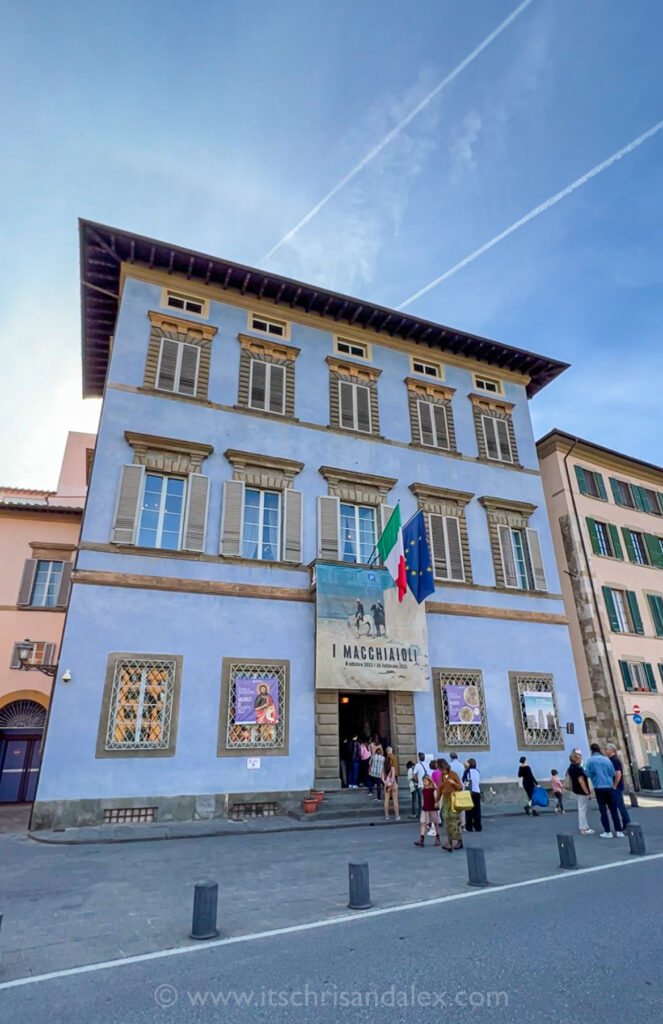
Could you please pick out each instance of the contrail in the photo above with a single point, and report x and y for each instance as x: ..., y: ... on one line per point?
x: 390, y: 136
x: 536, y: 211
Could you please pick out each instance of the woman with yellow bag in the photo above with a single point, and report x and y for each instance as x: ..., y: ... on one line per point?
x: 450, y: 794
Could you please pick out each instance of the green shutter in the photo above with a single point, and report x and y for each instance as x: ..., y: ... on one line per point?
x: 656, y: 606
x: 593, y: 536
x: 601, y: 486
x: 630, y: 550
x: 610, y: 608
x: 660, y: 669
x: 650, y: 677
x: 635, y: 612
x: 639, y: 498
x: 660, y: 500
x: 615, y: 490
x: 626, y: 675
x: 582, y: 483
x: 654, y: 550
x: 616, y: 543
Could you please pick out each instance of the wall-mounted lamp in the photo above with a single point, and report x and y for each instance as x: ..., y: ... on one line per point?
x: 25, y: 650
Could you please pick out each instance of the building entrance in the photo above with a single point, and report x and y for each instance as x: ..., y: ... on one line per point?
x: 363, y: 715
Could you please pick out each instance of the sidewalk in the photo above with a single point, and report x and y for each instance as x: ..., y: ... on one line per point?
x: 79, y: 904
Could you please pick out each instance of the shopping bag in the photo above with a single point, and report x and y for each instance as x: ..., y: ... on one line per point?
x: 539, y: 797
x: 462, y: 800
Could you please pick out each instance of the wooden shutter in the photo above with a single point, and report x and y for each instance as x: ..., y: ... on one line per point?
x: 660, y: 669
x: 503, y: 440
x: 363, y: 397
x: 292, y: 526
x: 195, y: 520
x: 258, y: 384
x: 610, y: 608
x: 508, y: 560
x: 346, y: 404
x: 126, y: 508
x: 639, y: 498
x: 65, y: 585
x: 490, y: 437
x: 614, y: 484
x: 167, y: 365
x: 49, y: 654
x: 630, y: 550
x: 232, y: 517
x: 651, y: 682
x: 601, y: 486
x: 386, y: 512
x: 656, y: 608
x: 454, y: 548
x: 635, y: 612
x: 593, y: 535
x: 582, y: 480
x: 27, y: 583
x: 277, y: 388
x: 15, y: 661
x: 188, y: 382
x: 441, y: 425
x: 654, y: 550
x: 536, y: 560
x: 438, y: 546
x: 329, y: 524
x: 616, y: 543
x: 426, y: 432
x: 626, y: 675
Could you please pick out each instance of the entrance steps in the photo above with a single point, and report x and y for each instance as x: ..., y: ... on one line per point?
x: 356, y: 805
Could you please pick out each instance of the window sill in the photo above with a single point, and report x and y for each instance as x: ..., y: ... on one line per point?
x: 499, y: 462
x: 159, y: 393
x: 417, y: 446
x: 266, y: 414
x: 37, y: 608
x: 370, y: 434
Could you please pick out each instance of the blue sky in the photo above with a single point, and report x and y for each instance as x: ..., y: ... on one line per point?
x: 219, y: 126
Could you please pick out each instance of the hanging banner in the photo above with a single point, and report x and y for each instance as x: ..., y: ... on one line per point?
x: 365, y: 638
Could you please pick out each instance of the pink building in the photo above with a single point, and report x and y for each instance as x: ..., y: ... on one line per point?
x: 38, y: 537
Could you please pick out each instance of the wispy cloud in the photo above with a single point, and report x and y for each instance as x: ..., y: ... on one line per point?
x: 399, y: 127
x: 552, y: 201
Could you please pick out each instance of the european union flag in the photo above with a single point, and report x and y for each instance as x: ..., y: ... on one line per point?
x: 418, y: 565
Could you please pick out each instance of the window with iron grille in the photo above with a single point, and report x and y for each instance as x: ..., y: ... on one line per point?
x: 535, y: 711
x: 254, y: 707
x: 140, y: 705
x: 460, y: 709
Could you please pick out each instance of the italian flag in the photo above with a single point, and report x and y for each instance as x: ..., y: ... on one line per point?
x: 390, y: 549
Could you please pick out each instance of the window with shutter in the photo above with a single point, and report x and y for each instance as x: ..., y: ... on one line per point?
x: 232, y: 517
x: 178, y: 367
x: 267, y: 386
x: 538, y: 576
x: 162, y: 512
x: 656, y: 608
x: 622, y: 493
x: 261, y: 527
x: 590, y: 482
x: 47, y: 583
x: 433, y: 425
x: 355, y: 406
x: 27, y: 583
x: 358, y: 533
x: 292, y: 526
x: 126, y: 508
x: 498, y: 442
x: 446, y: 547
x: 196, y: 512
x: 510, y: 576
x: 329, y: 519
x: 623, y: 611
x: 654, y: 550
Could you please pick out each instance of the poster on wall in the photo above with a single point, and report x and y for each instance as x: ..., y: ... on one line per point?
x: 539, y: 710
x: 256, y: 700
x: 463, y: 705
x: 365, y: 638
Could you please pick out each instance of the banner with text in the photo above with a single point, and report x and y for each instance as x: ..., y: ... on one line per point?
x: 365, y: 638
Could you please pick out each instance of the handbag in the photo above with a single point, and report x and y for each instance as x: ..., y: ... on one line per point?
x: 462, y: 801
x: 539, y: 797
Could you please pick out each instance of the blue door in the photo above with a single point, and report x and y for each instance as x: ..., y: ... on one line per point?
x: 20, y: 757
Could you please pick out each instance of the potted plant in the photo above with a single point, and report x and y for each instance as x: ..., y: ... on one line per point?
x: 310, y: 805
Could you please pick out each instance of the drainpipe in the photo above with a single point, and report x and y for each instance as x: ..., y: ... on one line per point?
x: 626, y: 739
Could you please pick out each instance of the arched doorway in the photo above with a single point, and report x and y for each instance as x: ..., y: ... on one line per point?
x: 651, y: 739
x: 21, y: 728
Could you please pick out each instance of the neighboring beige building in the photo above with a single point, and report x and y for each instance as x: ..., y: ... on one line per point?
x: 38, y: 536
x: 606, y: 512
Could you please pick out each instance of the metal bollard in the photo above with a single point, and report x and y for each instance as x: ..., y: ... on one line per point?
x: 360, y: 892
x: 633, y: 798
x: 567, y: 852
x: 476, y: 866
x: 205, y: 897
x: 636, y: 839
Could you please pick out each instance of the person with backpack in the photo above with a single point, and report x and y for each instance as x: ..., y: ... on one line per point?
x: 529, y: 783
x: 420, y: 772
x: 375, y: 772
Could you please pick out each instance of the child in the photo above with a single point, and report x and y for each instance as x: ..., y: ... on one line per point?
x: 429, y: 814
x: 412, y: 783
x: 558, y: 791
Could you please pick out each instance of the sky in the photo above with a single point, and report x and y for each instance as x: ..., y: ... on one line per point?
x: 435, y: 127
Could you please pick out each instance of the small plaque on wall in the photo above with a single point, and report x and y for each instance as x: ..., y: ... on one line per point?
x: 253, y: 762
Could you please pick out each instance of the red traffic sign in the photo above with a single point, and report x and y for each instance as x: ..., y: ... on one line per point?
x: 636, y: 709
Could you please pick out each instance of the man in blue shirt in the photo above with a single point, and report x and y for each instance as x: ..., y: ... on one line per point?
x: 602, y: 773
x: 618, y: 784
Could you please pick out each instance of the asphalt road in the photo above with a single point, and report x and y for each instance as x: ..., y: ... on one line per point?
x: 578, y: 948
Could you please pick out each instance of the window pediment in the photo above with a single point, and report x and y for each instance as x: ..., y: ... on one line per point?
x: 430, y: 389
x: 167, y: 454
x: 178, y: 328
x: 508, y: 512
x: 266, y: 347
x: 264, y: 471
x: 491, y: 405
x: 441, y: 500
x: 362, y: 374
x: 358, y: 488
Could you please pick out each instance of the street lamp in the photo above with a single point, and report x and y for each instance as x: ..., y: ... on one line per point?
x: 24, y: 651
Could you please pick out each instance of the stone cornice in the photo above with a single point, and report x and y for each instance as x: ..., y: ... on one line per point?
x: 246, y: 461
x: 491, y: 403
x: 430, y: 389
x: 428, y: 493
x: 352, y: 369
x: 144, y: 442
x: 277, y: 349
x: 166, y: 321
x: 339, y: 477
x: 499, y: 506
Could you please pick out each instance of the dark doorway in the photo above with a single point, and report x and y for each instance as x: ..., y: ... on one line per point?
x: 363, y: 715
x: 20, y: 756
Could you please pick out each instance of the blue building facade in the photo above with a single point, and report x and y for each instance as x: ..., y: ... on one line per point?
x: 252, y: 428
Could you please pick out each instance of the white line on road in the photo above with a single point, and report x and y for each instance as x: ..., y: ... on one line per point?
x: 161, y: 954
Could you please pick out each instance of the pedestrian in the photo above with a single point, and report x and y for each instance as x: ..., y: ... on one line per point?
x: 435, y: 775
x: 344, y: 764
x: 473, y: 783
x: 529, y: 782
x: 458, y: 767
x: 390, y: 783
x: 430, y: 816
x: 602, y: 773
x: 375, y: 772
x: 618, y: 785
x: 389, y: 752
x: 420, y: 773
x: 557, y: 791
x: 449, y: 784
x: 414, y: 789
x: 579, y: 784
x: 364, y: 761
x: 353, y: 762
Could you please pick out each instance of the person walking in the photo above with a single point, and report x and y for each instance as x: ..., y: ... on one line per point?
x: 449, y: 784
x: 420, y: 773
x: 579, y: 784
x: 390, y: 783
x: 618, y: 785
x: 435, y: 775
x: 375, y: 772
x: 430, y: 816
x: 364, y: 761
x: 353, y: 762
x: 414, y: 789
x: 602, y: 773
x: 529, y: 782
x: 557, y: 791
x: 473, y: 783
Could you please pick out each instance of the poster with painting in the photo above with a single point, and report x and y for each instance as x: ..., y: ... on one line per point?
x: 256, y: 700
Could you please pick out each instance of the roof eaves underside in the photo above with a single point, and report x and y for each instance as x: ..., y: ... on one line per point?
x: 104, y: 249
x: 22, y: 506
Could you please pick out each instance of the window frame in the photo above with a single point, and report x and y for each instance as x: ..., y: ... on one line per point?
x: 349, y: 382
x: 261, y: 492
x: 185, y: 298
x: 364, y: 349
x: 449, y: 736
x: 604, y: 539
x: 166, y: 477
x: 283, y: 335
x: 114, y: 660
x: 540, y: 682
x: 177, y: 379
x: 50, y: 562
x: 356, y: 506
x: 445, y: 412
x: 494, y: 420
x: 269, y: 366
x: 476, y: 377
x: 438, y: 368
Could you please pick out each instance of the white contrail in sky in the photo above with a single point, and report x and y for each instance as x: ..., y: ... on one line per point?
x: 397, y: 129
x: 578, y: 183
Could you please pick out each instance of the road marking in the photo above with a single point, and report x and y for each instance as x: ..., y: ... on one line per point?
x: 435, y: 901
